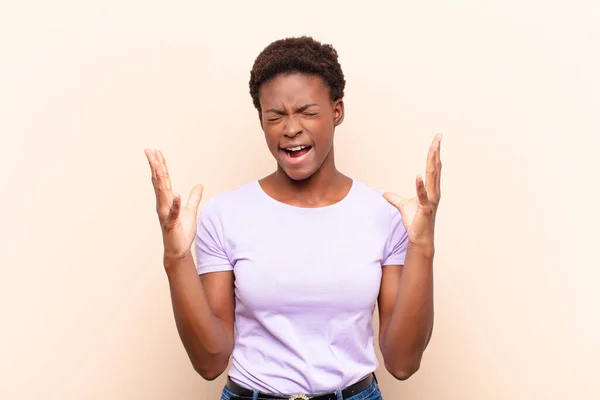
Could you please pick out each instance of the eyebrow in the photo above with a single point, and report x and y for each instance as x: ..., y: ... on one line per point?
x: 301, y: 109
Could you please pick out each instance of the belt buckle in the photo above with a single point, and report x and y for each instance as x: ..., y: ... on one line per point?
x: 298, y: 396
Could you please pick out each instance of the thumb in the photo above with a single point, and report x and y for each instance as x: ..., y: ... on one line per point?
x: 395, y: 200
x: 195, y: 197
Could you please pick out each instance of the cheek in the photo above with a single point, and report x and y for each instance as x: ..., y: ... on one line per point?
x: 271, y: 137
x: 323, y: 131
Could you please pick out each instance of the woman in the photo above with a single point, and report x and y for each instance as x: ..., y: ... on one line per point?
x: 292, y: 265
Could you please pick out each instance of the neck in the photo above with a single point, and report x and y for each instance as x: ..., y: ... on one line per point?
x: 325, y: 186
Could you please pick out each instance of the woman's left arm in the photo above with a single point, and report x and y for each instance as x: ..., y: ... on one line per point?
x: 406, y: 294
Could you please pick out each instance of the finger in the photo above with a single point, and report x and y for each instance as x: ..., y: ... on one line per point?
x: 430, y: 170
x: 165, y: 170
x: 150, y: 157
x: 195, y: 197
x: 164, y: 195
x: 438, y: 167
x: 395, y: 200
x: 175, y: 209
x: 422, y: 192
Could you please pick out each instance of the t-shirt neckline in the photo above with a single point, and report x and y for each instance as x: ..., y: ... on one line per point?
x: 281, y: 204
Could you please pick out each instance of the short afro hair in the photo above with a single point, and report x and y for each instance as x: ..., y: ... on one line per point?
x: 298, y: 55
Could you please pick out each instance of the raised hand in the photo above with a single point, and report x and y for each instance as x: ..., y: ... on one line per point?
x: 418, y: 213
x: 178, y: 223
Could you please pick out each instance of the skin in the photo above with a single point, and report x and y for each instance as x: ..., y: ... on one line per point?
x: 297, y: 109
x: 406, y: 294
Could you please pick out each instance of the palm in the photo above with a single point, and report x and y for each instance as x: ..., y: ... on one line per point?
x: 187, y: 220
x: 418, y: 213
x: 180, y: 235
x: 409, y: 212
x: 178, y: 223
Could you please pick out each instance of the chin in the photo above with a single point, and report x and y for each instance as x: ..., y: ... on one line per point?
x: 298, y: 175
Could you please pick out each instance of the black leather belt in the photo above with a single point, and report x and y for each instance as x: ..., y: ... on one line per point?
x: 241, y: 393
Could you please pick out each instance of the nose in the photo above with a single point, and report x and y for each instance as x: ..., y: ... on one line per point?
x: 292, y: 127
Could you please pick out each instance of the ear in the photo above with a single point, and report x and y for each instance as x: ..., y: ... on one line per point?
x: 338, y: 112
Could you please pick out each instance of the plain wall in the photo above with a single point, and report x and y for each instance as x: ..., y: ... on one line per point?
x: 86, y: 86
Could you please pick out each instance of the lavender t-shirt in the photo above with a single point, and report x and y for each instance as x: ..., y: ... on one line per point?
x: 306, y: 283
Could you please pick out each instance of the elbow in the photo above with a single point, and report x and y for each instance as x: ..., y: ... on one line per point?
x: 210, y: 371
x: 208, y: 375
x: 403, y: 372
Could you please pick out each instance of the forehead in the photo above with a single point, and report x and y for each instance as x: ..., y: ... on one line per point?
x: 293, y: 90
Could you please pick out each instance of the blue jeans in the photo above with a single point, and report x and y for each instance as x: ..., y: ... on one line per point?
x: 370, y: 393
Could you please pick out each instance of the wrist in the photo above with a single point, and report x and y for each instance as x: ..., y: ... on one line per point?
x: 174, y: 263
x: 425, y: 249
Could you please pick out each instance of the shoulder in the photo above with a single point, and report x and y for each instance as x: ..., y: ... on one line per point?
x: 372, y: 198
x: 390, y: 221
x: 231, y: 201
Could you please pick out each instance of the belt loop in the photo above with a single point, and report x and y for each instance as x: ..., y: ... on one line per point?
x: 255, y: 395
x: 338, y: 394
x: 375, y: 378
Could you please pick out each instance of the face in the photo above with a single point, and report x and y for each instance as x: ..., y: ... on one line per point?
x: 299, y: 120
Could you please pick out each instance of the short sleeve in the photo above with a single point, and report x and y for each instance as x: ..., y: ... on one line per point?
x: 210, y: 251
x: 397, y: 241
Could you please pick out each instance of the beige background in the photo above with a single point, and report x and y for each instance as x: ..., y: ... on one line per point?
x: 86, y: 86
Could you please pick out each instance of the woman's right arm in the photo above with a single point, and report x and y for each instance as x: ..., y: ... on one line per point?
x: 203, y: 306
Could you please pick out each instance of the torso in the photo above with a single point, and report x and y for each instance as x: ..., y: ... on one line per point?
x: 306, y: 285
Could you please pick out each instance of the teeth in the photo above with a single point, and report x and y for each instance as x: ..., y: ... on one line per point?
x: 297, y: 148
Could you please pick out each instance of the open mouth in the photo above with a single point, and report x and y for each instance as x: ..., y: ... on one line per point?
x: 298, y: 151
